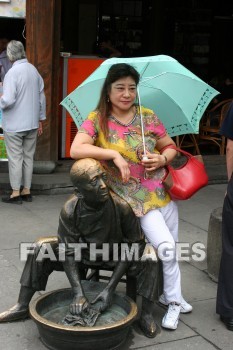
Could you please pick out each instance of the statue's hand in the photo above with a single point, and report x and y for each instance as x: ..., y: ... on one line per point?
x: 104, y: 299
x: 78, y: 305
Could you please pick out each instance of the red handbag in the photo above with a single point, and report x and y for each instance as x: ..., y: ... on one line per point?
x: 182, y: 182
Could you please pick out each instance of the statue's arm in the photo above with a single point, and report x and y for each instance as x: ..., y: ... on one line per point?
x: 132, y: 233
x: 105, y: 297
x: 67, y: 234
x: 79, y: 302
x: 118, y: 272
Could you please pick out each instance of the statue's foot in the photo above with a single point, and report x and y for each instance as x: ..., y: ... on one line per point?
x: 148, y: 325
x: 17, y: 312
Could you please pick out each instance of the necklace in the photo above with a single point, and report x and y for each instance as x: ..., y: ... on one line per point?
x: 123, y: 124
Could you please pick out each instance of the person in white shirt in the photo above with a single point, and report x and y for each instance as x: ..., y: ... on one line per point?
x: 24, y: 108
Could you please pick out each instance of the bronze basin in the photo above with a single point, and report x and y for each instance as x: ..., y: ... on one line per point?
x: 109, y: 332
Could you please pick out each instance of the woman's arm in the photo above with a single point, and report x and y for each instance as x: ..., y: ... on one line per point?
x: 168, y: 153
x: 83, y: 147
x: 155, y: 160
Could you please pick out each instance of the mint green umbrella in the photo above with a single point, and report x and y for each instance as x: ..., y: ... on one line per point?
x: 176, y: 95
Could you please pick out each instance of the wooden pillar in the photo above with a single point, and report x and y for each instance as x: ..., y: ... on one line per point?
x: 42, y: 48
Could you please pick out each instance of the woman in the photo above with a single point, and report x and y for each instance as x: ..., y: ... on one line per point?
x: 24, y: 108
x: 112, y: 134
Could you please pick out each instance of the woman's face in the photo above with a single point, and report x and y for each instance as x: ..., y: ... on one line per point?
x: 123, y: 93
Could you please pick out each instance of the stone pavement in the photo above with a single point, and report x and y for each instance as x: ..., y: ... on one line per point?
x: 200, y: 330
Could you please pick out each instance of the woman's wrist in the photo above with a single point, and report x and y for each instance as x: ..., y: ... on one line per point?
x: 115, y: 154
x: 165, y: 159
x: 169, y: 155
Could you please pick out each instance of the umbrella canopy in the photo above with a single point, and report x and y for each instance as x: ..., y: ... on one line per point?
x: 175, y: 94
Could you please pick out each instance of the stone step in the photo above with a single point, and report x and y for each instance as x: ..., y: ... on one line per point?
x: 59, y: 181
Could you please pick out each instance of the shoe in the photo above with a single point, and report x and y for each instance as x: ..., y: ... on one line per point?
x: 26, y: 197
x: 171, y: 318
x: 14, y: 314
x: 13, y: 200
x: 185, y: 307
x: 228, y: 321
x: 148, y: 326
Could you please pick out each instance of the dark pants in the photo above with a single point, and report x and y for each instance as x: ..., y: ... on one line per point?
x: 224, y: 306
x: 35, y: 274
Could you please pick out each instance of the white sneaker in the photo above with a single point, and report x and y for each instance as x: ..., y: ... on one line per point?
x: 185, y: 307
x: 171, y: 318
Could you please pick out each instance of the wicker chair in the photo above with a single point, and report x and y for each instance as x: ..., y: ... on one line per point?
x: 211, y: 123
x: 188, y: 141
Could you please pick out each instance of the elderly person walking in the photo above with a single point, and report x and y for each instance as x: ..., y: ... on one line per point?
x: 23, y: 106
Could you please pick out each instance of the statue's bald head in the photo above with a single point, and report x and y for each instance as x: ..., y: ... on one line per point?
x: 82, y: 169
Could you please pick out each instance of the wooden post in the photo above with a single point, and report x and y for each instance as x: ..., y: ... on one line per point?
x: 42, y: 48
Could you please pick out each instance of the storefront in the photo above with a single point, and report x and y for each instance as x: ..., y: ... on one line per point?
x: 192, y: 32
x: 84, y: 25
x: 71, y: 28
x: 74, y: 70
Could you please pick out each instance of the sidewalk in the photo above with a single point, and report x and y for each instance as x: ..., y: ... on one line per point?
x: 201, y: 329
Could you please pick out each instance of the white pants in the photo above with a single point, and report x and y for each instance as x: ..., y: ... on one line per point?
x: 160, y: 226
x: 20, y: 147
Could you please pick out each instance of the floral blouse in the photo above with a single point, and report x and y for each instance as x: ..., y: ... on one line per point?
x: 143, y: 192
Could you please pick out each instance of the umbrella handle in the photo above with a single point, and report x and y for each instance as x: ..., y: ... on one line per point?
x: 145, y: 174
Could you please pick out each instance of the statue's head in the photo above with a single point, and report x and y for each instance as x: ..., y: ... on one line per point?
x: 88, y: 176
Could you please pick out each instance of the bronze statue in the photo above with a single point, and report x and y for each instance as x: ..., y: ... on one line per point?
x: 92, y: 214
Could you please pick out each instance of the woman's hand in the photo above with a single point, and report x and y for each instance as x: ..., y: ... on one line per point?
x: 154, y: 161
x: 123, y: 166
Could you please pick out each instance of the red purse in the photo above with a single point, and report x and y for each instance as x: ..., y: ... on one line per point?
x: 181, y: 183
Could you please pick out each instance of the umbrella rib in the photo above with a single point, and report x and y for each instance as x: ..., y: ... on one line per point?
x: 194, y: 77
x: 144, y: 69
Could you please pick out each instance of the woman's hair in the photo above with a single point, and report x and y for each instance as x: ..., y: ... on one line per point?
x: 116, y: 71
x: 15, y: 51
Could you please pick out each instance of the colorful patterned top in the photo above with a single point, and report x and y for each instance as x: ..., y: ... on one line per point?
x: 143, y: 193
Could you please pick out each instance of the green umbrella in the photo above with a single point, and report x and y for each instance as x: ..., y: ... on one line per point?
x: 176, y: 95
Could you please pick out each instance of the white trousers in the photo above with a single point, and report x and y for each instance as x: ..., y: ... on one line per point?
x: 20, y: 147
x: 160, y: 226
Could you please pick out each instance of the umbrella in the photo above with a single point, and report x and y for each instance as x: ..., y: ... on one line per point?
x: 175, y: 94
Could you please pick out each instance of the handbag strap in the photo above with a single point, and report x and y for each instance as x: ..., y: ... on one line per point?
x: 187, y: 154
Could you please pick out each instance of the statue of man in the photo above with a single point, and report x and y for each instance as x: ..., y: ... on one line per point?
x: 92, y: 214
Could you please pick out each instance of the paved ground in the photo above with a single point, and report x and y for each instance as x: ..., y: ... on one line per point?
x: 201, y: 329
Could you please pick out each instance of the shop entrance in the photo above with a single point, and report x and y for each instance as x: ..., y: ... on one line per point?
x: 85, y: 26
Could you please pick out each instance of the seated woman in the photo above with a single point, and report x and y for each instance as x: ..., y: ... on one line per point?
x: 112, y: 134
